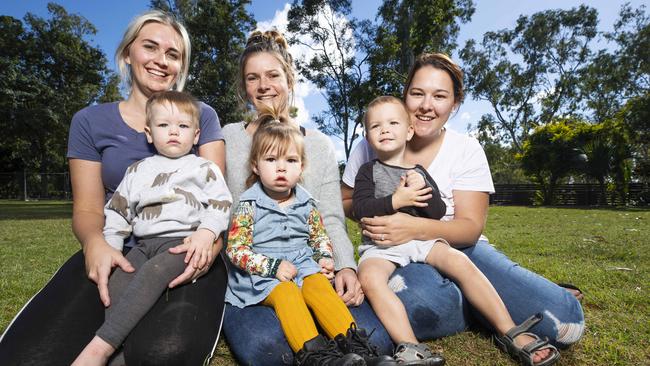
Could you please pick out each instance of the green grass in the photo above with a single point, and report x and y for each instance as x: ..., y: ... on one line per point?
x: 604, y: 251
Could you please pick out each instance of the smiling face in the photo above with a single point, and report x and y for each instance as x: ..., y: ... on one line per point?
x: 279, y: 173
x: 265, y: 79
x: 388, y: 129
x: 430, y: 100
x: 171, y: 131
x: 155, y: 58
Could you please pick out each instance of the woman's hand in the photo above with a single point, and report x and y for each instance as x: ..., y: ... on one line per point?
x: 100, y: 259
x: 389, y: 230
x: 348, y: 287
x: 191, y: 273
x: 327, y: 268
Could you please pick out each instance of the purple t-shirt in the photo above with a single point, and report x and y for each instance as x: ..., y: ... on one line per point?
x: 98, y: 133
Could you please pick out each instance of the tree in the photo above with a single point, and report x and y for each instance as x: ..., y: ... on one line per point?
x: 605, y: 148
x: 406, y: 29
x: 48, y: 71
x: 635, y: 115
x: 548, y: 155
x: 218, y: 31
x: 621, y: 73
x: 352, y: 61
x: 529, y: 74
x: 504, y: 167
x: 326, y: 30
x: 111, y: 89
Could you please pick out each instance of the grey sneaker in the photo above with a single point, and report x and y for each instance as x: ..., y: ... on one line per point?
x: 411, y: 354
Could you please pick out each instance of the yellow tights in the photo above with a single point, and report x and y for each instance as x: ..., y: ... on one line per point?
x: 291, y: 306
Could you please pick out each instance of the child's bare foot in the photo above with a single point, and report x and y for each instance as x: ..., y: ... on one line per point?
x: 96, y: 352
x: 539, y: 355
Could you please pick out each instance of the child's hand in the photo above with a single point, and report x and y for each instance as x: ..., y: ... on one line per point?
x: 415, y: 180
x: 327, y: 267
x: 199, y: 251
x: 406, y: 196
x: 286, y: 271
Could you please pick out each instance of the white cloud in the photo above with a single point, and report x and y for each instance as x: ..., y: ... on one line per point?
x: 465, y: 116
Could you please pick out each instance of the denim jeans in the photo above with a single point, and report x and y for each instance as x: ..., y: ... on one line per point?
x: 435, y: 306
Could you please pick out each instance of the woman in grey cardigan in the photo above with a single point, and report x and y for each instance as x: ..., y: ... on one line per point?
x: 254, y: 333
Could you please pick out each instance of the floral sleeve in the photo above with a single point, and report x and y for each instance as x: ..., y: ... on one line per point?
x: 318, y: 239
x: 240, y: 245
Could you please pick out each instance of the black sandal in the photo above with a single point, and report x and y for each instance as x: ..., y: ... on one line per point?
x: 578, y: 292
x: 525, y: 354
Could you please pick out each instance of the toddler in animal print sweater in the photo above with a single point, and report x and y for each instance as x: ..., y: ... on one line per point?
x: 165, y: 200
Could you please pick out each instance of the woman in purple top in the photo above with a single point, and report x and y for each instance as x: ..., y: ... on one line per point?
x: 183, y: 327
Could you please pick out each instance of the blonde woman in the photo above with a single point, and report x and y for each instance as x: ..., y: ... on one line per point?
x: 104, y: 140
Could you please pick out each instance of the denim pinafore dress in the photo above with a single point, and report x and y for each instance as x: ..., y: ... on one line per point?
x: 280, y: 233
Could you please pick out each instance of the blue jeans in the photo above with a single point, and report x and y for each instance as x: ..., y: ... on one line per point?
x: 435, y: 306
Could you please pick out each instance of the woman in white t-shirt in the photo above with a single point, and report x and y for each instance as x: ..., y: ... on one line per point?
x: 436, y: 307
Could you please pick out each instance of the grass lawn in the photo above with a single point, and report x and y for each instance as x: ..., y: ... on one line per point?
x: 604, y: 251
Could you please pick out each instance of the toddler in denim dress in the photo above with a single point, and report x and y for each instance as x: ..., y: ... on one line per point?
x: 282, y: 256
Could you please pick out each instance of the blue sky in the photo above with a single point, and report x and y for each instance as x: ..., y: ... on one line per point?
x: 111, y: 17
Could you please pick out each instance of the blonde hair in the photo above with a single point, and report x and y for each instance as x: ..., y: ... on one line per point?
x: 131, y: 33
x: 274, y: 132
x: 442, y: 62
x: 271, y: 42
x: 183, y: 101
x: 385, y: 99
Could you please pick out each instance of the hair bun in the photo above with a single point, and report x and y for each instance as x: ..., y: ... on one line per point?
x: 277, y: 37
x: 272, y: 38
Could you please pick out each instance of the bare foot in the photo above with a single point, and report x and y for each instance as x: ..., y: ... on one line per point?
x: 573, y: 290
x: 576, y: 293
x: 539, y: 355
x: 96, y: 353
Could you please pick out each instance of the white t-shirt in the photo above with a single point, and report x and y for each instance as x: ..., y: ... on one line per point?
x: 460, y: 165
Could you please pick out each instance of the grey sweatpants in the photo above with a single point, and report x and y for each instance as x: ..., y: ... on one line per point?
x: 133, y: 294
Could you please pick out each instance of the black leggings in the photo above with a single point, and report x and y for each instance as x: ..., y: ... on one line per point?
x: 181, y: 329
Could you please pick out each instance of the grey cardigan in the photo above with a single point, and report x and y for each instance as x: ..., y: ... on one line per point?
x: 320, y: 178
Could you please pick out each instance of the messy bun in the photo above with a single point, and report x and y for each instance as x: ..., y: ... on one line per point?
x: 272, y: 42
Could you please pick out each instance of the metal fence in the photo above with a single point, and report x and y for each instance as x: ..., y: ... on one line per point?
x: 40, y: 186
x: 577, y: 194
x: 35, y: 186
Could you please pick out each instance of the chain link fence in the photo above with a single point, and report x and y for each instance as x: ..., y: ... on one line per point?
x: 35, y: 186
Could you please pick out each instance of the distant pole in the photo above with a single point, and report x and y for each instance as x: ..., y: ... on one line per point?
x: 25, y: 183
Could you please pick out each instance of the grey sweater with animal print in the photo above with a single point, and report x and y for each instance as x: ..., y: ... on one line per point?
x: 164, y: 197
